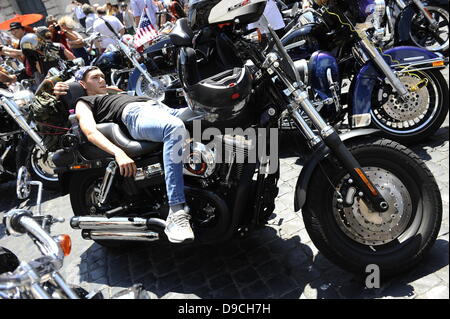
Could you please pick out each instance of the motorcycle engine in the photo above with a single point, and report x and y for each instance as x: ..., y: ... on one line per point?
x: 200, y: 161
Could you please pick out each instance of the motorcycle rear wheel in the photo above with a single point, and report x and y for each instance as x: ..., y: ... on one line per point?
x: 355, y: 237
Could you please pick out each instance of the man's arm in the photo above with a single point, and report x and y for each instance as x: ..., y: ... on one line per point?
x: 7, y: 78
x: 69, y: 55
x: 14, y: 53
x: 89, y: 128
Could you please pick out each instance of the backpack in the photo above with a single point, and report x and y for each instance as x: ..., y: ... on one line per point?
x: 51, y: 118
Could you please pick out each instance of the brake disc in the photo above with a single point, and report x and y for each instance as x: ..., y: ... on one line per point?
x: 367, y: 227
x: 416, y: 105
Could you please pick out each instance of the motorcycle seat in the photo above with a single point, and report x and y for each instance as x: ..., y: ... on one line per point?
x: 133, y: 148
x: 182, y: 35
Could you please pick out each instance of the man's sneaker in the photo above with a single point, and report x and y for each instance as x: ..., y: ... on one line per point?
x: 178, y: 229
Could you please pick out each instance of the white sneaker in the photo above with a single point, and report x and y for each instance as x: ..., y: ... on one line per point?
x: 178, y: 229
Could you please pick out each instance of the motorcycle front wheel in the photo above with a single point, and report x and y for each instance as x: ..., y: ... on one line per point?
x: 354, y: 236
x: 423, y: 36
x: 420, y: 116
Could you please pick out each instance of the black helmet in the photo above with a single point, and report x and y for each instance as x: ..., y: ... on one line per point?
x: 222, y: 96
x: 207, y: 12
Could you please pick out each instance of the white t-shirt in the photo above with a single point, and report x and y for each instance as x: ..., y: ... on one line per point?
x: 79, y: 12
x: 138, y: 6
x: 101, y: 27
x: 273, y: 16
x: 91, y: 17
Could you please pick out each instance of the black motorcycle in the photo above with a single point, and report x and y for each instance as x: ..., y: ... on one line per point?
x: 20, y: 143
x: 365, y: 200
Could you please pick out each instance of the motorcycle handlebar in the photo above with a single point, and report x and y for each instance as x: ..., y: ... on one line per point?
x: 19, y: 221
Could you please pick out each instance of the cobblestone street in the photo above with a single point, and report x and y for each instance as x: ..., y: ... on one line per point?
x: 278, y: 261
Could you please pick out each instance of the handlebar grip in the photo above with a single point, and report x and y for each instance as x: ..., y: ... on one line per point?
x: 13, y: 218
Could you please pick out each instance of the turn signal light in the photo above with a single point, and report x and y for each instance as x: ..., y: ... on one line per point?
x: 439, y: 63
x: 65, y: 243
x: 83, y: 166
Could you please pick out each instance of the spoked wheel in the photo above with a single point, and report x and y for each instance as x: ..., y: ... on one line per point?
x: 38, y: 163
x: 420, y: 115
x: 353, y: 235
x: 42, y: 168
x: 427, y: 37
x: 154, y: 88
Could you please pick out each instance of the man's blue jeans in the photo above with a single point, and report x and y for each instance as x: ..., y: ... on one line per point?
x: 155, y: 122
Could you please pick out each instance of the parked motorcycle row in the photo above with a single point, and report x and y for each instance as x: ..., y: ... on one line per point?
x: 355, y: 82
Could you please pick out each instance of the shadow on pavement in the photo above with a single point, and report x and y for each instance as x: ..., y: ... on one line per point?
x: 260, y: 266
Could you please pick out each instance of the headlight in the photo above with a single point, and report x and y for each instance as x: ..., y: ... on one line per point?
x: 23, y: 98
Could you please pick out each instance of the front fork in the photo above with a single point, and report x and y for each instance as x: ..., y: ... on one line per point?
x: 385, y: 68
x: 334, y: 142
x: 328, y: 134
x: 433, y: 23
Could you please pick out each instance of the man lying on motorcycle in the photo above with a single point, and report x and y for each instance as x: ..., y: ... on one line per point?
x: 144, y: 119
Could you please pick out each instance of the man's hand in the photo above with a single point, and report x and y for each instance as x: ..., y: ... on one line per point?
x: 126, y: 165
x: 60, y: 89
x: 306, y: 4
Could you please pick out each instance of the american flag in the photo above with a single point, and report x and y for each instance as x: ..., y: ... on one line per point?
x: 145, y: 32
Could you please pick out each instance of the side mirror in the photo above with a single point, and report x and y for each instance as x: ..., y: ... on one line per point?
x: 23, y: 186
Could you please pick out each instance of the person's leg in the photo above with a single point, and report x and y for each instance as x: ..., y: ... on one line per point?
x: 154, y: 123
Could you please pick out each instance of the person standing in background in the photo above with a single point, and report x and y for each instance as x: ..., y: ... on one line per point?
x: 126, y: 17
x: 273, y: 16
x: 103, y: 24
x: 58, y: 35
x: 90, y: 17
x: 75, y: 40
x: 81, y: 17
x: 138, y: 6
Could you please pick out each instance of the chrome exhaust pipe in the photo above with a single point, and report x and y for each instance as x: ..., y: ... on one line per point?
x: 147, y: 236
x: 115, y: 223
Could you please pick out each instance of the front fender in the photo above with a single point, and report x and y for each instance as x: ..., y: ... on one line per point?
x: 364, y: 83
x: 132, y: 80
x: 301, y: 188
